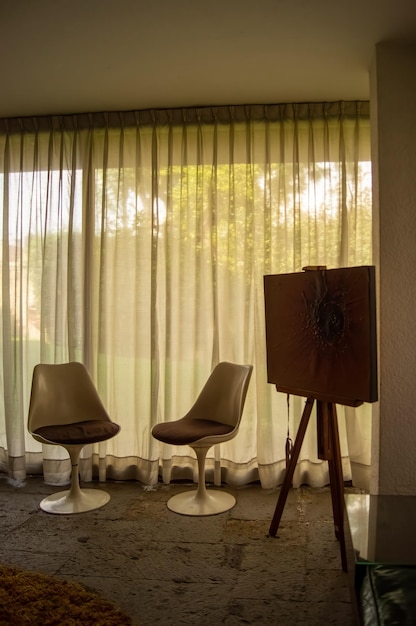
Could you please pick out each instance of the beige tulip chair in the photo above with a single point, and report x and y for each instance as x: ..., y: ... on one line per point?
x: 65, y: 409
x: 214, y: 418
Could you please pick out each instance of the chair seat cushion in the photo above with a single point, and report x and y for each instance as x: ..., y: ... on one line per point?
x: 91, y: 431
x: 188, y: 430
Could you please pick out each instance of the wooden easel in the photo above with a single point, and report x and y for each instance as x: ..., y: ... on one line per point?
x: 328, y: 450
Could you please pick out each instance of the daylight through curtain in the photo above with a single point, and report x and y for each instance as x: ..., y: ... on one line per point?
x: 137, y: 243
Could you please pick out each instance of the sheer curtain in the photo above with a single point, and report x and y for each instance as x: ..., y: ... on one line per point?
x: 137, y: 243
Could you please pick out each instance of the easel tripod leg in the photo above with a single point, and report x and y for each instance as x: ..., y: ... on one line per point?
x: 337, y: 483
x: 287, y: 482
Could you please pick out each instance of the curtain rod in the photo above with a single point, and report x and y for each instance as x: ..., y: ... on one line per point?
x: 223, y: 114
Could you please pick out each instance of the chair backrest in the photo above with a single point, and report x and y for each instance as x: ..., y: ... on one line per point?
x: 223, y: 396
x: 63, y: 394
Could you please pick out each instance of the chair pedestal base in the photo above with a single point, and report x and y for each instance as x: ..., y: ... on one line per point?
x: 66, y: 502
x: 211, y: 502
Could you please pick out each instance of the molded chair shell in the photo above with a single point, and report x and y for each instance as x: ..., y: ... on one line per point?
x: 214, y: 418
x: 65, y: 409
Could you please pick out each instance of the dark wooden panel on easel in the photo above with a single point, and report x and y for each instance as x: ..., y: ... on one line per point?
x: 321, y: 334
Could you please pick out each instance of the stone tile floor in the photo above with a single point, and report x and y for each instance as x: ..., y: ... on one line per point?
x: 164, y: 568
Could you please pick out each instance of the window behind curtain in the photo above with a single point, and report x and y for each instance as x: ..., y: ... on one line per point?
x: 137, y: 243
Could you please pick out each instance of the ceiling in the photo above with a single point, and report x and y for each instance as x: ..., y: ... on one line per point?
x: 71, y: 56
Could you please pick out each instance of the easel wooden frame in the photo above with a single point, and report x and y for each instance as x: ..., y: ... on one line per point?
x: 313, y: 292
x: 329, y: 450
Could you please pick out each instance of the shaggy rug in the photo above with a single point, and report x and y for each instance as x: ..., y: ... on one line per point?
x: 32, y: 598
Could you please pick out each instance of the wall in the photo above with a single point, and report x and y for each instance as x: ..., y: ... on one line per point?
x: 393, y: 113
